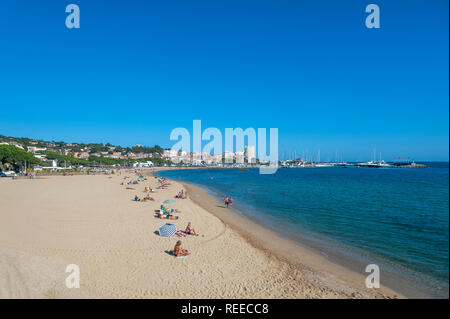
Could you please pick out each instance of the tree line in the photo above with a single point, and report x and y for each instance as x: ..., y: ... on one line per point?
x: 17, y: 157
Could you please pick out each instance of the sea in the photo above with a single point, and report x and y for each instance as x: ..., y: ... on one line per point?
x: 396, y: 218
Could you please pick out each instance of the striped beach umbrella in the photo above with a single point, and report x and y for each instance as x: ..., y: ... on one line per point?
x: 167, y: 230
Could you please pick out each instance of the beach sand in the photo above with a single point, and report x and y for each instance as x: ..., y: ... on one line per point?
x: 91, y: 221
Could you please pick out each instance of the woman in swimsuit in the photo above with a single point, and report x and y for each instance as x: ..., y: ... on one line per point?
x: 178, y: 251
x: 190, y: 230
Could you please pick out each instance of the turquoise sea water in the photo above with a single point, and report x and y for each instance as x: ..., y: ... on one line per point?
x: 397, y: 218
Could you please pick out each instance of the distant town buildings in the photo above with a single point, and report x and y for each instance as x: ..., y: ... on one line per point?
x: 250, y: 153
x: 136, y: 154
x: 82, y: 155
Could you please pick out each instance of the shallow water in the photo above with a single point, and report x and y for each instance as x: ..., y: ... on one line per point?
x: 396, y: 217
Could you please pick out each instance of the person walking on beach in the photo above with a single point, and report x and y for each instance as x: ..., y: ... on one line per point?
x: 226, y: 201
x: 230, y: 202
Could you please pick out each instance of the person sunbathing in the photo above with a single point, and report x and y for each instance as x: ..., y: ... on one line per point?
x: 178, y: 251
x: 189, y: 230
x: 136, y: 198
x: 162, y: 216
x: 167, y: 211
x: 146, y: 198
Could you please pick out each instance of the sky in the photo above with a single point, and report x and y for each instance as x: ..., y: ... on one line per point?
x: 135, y: 70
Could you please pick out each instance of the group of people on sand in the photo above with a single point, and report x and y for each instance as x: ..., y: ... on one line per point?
x: 163, y: 183
x: 165, y: 213
x: 144, y: 199
x: 181, y: 195
x: 228, y: 200
x: 148, y: 190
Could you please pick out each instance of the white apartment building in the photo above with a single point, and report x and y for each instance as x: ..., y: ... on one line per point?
x: 250, y: 153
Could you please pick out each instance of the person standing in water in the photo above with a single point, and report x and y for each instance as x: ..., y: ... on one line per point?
x: 230, y: 202
x: 226, y: 201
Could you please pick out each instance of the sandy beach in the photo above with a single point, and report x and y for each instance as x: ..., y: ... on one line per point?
x: 91, y: 221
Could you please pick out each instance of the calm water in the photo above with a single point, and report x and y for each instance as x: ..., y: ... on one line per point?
x: 398, y: 218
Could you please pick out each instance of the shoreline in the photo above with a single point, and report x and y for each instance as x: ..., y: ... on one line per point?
x: 354, y: 261
x: 286, y: 250
x: 92, y: 221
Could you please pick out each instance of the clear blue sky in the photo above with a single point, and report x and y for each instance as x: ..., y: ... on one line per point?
x: 137, y: 69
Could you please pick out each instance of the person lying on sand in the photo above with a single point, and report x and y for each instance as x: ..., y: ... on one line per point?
x: 146, y: 198
x: 178, y: 251
x: 163, y: 209
x: 189, y: 230
x: 162, y: 216
x: 166, y: 211
x: 136, y: 198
